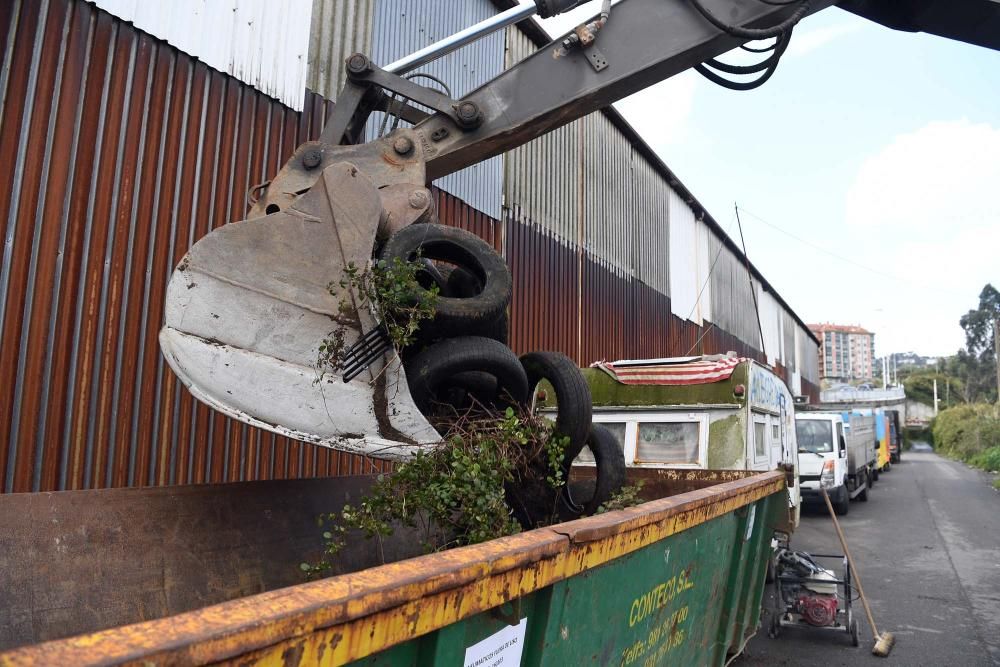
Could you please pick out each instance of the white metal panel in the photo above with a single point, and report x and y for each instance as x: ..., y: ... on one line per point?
x: 770, y: 322
x: 796, y: 383
x: 263, y: 43
x: 683, y: 261
x: 706, y: 257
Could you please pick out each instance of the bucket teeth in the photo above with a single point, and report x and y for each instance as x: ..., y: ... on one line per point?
x: 368, y: 349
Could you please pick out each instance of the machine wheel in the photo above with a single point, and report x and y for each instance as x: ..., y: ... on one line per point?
x: 843, y: 504
x: 456, y: 315
x: 863, y: 496
x: 855, y: 641
x: 610, y: 460
x: 572, y: 396
x: 432, y: 373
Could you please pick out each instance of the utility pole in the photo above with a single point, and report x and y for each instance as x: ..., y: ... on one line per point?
x: 935, y: 398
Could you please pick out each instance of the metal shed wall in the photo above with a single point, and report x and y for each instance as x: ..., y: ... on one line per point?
x: 404, y: 26
x: 339, y: 28
x: 260, y: 42
x: 117, y: 152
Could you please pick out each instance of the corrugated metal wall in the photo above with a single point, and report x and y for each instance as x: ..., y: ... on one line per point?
x: 339, y: 28
x: 260, y: 42
x: 116, y: 153
x: 404, y: 26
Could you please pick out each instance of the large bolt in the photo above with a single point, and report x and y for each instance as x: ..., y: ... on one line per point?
x: 419, y: 199
x: 358, y: 64
x: 312, y: 158
x: 468, y: 115
x: 402, y: 145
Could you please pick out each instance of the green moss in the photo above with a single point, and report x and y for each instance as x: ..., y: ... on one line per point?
x: 606, y: 391
x: 726, y: 443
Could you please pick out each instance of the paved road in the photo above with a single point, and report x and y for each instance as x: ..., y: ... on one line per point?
x: 928, y: 547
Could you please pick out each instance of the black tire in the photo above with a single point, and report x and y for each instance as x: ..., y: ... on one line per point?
x: 572, y: 395
x: 863, y: 496
x: 874, y: 475
x: 456, y: 316
x: 843, y: 504
x: 430, y: 275
x: 855, y: 640
x: 431, y: 374
x: 462, y: 284
x: 611, y: 472
x: 465, y: 390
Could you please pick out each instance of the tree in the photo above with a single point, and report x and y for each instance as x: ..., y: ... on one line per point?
x: 976, y: 364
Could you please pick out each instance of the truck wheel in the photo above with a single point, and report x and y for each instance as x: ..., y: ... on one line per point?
x: 456, y: 315
x: 874, y: 475
x: 572, y: 396
x: 843, y: 504
x: 458, y: 363
x: 863, y: 496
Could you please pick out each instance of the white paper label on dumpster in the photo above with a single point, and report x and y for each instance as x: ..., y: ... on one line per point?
x: 501, y: 648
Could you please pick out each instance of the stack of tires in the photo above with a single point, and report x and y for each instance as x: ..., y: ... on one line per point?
x: 461, y: 356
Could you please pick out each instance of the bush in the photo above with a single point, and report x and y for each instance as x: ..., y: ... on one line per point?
x: 969, y: 433
x: 988, y: 460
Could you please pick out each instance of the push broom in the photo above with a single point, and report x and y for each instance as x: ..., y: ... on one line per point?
x: 885, y: 641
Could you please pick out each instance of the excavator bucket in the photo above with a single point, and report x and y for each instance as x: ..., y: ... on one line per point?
x: 250, y: 304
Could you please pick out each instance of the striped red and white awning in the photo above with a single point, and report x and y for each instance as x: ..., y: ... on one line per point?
x: 686, y: 370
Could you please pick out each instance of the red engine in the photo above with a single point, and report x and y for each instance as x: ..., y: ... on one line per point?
x: 817, y: 609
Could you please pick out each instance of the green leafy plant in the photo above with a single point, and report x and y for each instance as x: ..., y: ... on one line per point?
x: 627, y: 496
x: 970, y: 433
x: 392, y: 291
x: 454, y: 493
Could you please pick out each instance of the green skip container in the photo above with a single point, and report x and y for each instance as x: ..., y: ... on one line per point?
x: 677, y: 580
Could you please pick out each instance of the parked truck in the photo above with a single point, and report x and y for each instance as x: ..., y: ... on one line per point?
x: 836, y: 453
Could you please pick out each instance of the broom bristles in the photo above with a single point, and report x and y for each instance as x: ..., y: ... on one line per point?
x: 884, y: 644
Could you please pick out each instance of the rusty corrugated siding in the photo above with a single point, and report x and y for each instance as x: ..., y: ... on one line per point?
x: 117, y: 152
x: 568, y: 301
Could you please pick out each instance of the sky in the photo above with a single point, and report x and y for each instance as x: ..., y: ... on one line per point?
x: 866, y: 173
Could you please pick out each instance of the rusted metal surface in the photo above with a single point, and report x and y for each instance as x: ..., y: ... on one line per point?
x: 566, y: 300
x: 116, y: 153
x: 345, y: 618
x: 83, y: 561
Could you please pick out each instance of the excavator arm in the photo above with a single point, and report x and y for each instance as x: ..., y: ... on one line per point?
x: 250, y: 305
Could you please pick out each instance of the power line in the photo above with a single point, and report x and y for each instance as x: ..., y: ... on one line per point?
x: 753, y: 291
x: 852, y: 262
x: 818, y: 247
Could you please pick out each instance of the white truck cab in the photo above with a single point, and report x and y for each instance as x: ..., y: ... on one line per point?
x: 835, y: 455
